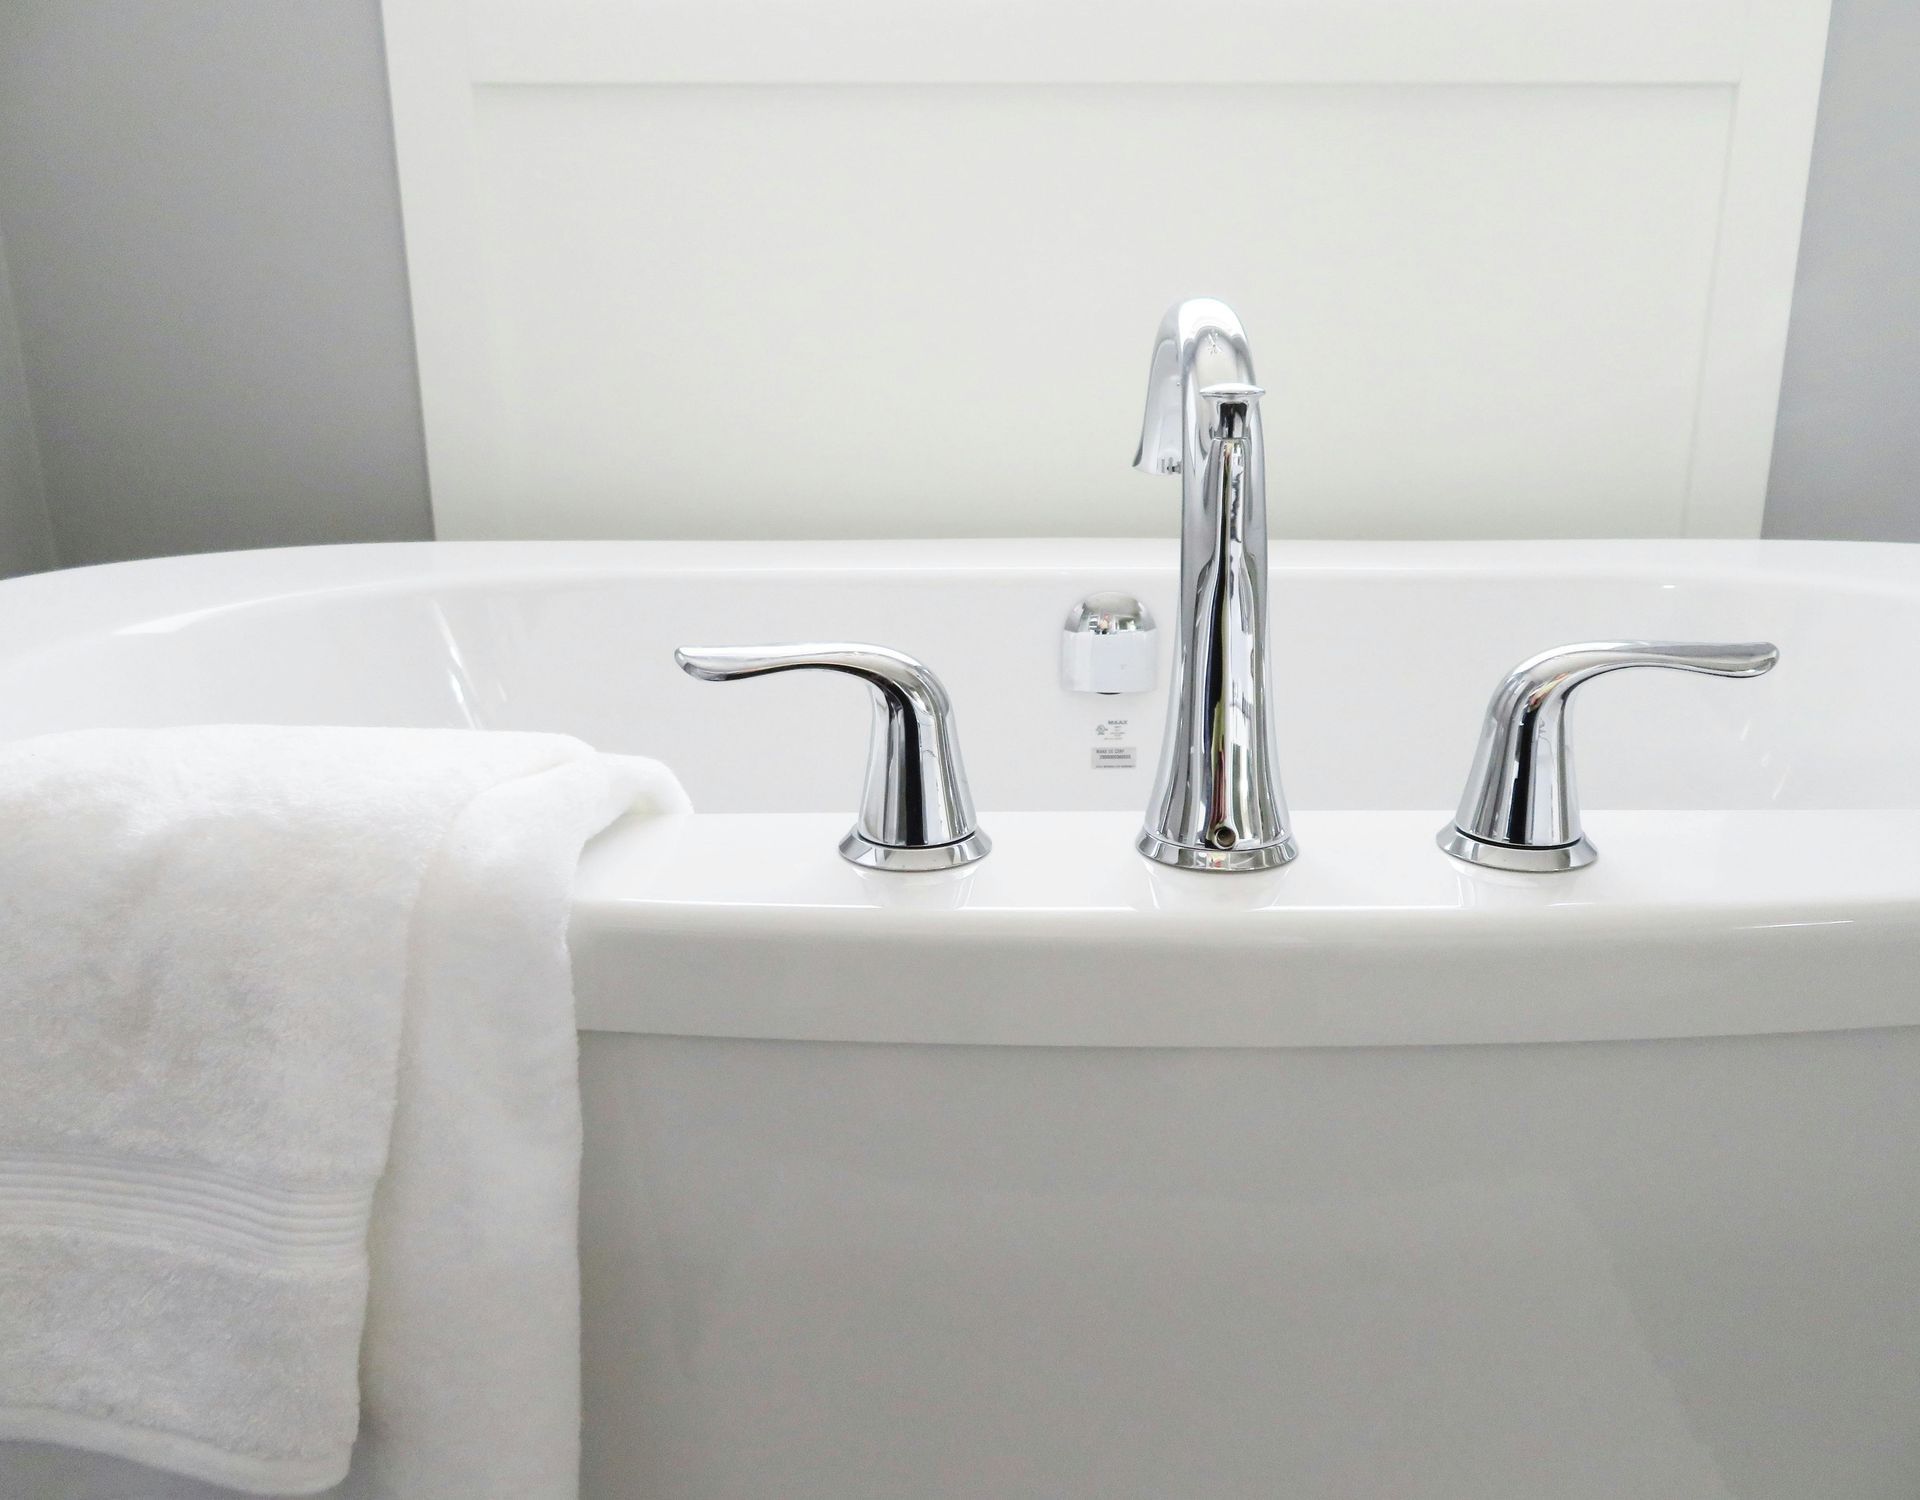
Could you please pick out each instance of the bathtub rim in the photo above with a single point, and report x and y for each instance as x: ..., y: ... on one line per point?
x: 1726, y: 922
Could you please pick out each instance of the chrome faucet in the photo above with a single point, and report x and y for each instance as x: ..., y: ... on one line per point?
x: 1519, y: 811
x: 1217, y: 803
x: 916, y: 812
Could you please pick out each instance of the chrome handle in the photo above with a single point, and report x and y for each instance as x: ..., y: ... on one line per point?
x: 915, y: 812
x: 1520, y: 810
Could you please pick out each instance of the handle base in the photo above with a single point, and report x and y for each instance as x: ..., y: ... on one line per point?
x: 864, y: 852
x: 1535, y: 859
x: 1163, y: 851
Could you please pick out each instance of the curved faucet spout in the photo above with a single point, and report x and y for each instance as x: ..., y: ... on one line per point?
x: 1200, y: 343
x: 1217, y: 803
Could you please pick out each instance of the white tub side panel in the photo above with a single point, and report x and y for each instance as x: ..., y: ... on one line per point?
x: 823, y: 1272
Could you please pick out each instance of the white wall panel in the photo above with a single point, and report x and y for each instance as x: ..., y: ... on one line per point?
x: 707, y: 271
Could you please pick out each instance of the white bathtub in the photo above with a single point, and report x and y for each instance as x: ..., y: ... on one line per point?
x: 1068, y: 1175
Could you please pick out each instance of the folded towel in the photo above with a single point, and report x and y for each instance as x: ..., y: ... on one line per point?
x: 276, y: 1004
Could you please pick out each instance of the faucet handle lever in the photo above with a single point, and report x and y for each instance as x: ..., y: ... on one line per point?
x: 916, y: 812
x: 1520, y: 810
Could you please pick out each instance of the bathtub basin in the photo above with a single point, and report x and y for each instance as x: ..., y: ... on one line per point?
x: 1070, y: 1175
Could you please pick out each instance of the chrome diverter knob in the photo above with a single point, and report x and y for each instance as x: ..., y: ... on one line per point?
x: 916, y: 812
x: 1520, y: 810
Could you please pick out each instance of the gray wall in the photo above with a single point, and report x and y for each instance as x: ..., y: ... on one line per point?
x: 26, y: 540
x: 1846, y: 452
x: 199, y: 204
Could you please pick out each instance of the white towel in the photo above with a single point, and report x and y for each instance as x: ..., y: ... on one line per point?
x: 275, y: 1003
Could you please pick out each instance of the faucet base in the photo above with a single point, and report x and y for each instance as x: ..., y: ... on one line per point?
x: 863, y: 851
x: 1227, y: 861
x: 1528, y: 859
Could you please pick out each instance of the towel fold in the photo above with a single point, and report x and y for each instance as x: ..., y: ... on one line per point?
x: 278, y: 1005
